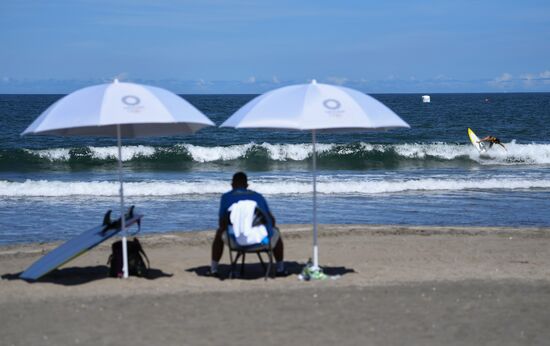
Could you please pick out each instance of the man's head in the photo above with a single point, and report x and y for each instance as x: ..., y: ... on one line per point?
x: 240, y: 181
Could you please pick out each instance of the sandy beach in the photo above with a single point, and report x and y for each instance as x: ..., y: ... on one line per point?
x: 397, y: 285
x: 375, y: 121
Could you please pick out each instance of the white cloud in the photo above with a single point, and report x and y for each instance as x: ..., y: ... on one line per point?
x: 528, y: 79
x: 441, y: 77
x: 201, y: 83
x: 505, y: 77
x: 501, y: 81
x: 122, y: 77
x: 545, y: 76
x: 533, y: 79
x: 338, y: 80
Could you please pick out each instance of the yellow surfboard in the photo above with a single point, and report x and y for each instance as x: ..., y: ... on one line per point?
x: 480, y: 146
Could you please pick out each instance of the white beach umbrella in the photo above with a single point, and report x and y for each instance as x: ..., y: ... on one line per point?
x: 315, y: 107
x: 119, y: 110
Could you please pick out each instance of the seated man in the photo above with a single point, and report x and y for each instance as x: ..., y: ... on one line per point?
x: 238, y: 193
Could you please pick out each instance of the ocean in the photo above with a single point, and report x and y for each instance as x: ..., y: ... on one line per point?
x: 52, y: 188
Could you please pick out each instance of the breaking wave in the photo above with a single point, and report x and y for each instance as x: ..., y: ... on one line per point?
x: 280, y: 186
x: 328, y: 154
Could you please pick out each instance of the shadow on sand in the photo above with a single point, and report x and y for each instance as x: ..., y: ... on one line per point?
x: 254, y: 271
x: 81, y: 275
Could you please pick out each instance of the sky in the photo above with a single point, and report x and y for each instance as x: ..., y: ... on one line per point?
x: 204, y: 46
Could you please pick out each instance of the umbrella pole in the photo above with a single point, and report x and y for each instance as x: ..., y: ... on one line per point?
x: 315, y: 247
x: 122, y: 216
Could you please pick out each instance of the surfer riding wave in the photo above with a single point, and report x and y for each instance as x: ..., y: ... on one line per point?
x: 492, y: 140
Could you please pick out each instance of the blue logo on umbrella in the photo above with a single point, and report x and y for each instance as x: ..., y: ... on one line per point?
x: 331, y: 104
x: 131, y: 100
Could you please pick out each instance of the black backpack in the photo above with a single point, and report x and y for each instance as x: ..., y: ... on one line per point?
x: 136, y: 264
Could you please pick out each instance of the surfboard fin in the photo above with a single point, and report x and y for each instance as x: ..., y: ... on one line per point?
x: 130, y: 213
x: 107, y: 218
x: 116, y: 224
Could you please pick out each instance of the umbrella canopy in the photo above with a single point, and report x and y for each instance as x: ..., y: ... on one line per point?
x: 138, y: 110
x: 315, y: 107
x: 119, y: 110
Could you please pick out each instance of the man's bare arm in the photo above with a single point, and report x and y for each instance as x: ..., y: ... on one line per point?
x: 223, y: 222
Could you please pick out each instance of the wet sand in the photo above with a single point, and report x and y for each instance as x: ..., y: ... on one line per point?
x: 397, y: 285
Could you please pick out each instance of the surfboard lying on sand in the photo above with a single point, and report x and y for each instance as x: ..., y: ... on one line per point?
x: 480, y: 146
x: 77, y: 246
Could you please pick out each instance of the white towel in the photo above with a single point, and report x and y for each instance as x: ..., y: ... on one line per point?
x: 242, y: 216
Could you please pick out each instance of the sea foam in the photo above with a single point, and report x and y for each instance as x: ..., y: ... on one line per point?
x: 356, y: 185
x: 533, y: 154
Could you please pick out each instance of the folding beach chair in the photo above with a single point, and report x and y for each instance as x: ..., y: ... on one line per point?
x: 250, y: 230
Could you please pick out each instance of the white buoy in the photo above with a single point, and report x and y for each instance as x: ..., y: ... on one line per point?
x: 426, y: 98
